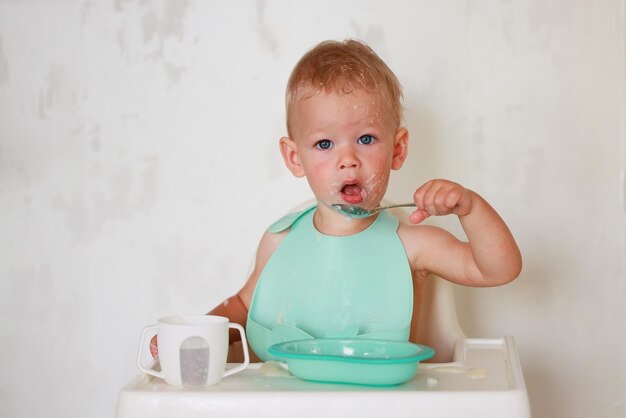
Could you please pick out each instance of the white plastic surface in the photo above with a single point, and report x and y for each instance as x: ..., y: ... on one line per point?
x: 177, y: 362
x: 485, y: 380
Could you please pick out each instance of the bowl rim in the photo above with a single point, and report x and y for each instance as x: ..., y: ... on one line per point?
x: 282, y: 351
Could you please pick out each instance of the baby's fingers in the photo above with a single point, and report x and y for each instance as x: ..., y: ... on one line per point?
x: 418, y: 216
x: 452, y: 198
x: 433, y: 197
x: 154, y: 346
x: 419, y: 197
x: 458, y: 201
x: 442, y: 197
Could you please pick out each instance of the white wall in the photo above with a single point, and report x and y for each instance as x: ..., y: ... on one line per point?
x: 139, y: 167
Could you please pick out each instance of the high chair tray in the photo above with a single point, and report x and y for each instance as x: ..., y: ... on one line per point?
x: 485, y: 379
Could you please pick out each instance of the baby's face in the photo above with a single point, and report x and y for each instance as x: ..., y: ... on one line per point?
x: 345, y: 146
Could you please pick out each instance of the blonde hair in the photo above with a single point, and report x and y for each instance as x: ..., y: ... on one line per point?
x: 342, y: 67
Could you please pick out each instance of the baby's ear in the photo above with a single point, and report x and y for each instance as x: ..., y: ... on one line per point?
x: 289, y: 150
x: 400, y: 148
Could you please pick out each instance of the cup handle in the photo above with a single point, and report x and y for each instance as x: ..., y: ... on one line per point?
x: 244, y: 345
x: 152, y: 329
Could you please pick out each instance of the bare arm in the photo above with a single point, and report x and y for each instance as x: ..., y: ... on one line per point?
x: 493, y: 256
x: 235, y: 310
x: 237, y: 306
x: 489, y: 258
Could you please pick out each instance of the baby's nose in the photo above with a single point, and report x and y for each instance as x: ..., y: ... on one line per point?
x: 348, y: 159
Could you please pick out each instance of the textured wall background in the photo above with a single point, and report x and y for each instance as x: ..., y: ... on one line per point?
x: 139, y: 167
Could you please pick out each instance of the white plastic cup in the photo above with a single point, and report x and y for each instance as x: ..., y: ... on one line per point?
x: 192, y: 349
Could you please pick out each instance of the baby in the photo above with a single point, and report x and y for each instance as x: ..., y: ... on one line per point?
x: 321, y: 274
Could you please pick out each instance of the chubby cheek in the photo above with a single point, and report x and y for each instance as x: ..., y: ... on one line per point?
x: 323, y: 184
x: 377, y: 181
x: 376, y: 185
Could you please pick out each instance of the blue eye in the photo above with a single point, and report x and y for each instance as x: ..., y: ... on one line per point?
x: 324, y: 144
x: 366, y: 140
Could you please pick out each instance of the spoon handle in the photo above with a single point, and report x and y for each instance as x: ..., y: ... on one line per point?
x: 399, y: 205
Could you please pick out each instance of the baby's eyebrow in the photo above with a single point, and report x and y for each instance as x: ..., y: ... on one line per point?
x: 320, y: 135
x: 371, y: 131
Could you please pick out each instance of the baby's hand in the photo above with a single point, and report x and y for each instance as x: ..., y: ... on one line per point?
x: 154, y: 346
x: 440, y: 197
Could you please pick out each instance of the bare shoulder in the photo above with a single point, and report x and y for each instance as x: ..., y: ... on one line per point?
x: 268, y: 244
x: 419, y: 239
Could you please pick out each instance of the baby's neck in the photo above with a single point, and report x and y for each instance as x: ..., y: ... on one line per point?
x: 329, y: 222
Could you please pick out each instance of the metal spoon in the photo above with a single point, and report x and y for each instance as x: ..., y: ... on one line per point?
x: 359, y: 212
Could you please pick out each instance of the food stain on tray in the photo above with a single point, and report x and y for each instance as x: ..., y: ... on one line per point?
x: 472, y: 373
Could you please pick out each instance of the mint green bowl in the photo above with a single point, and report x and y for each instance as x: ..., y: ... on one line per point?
x: 356, y: 361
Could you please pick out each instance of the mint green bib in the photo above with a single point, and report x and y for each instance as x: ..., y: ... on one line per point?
x: 321, y: 286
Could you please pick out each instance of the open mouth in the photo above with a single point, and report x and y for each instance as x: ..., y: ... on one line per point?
x: 353, y: 193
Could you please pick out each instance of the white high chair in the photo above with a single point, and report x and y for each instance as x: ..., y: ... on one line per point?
x: 472, y: 378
